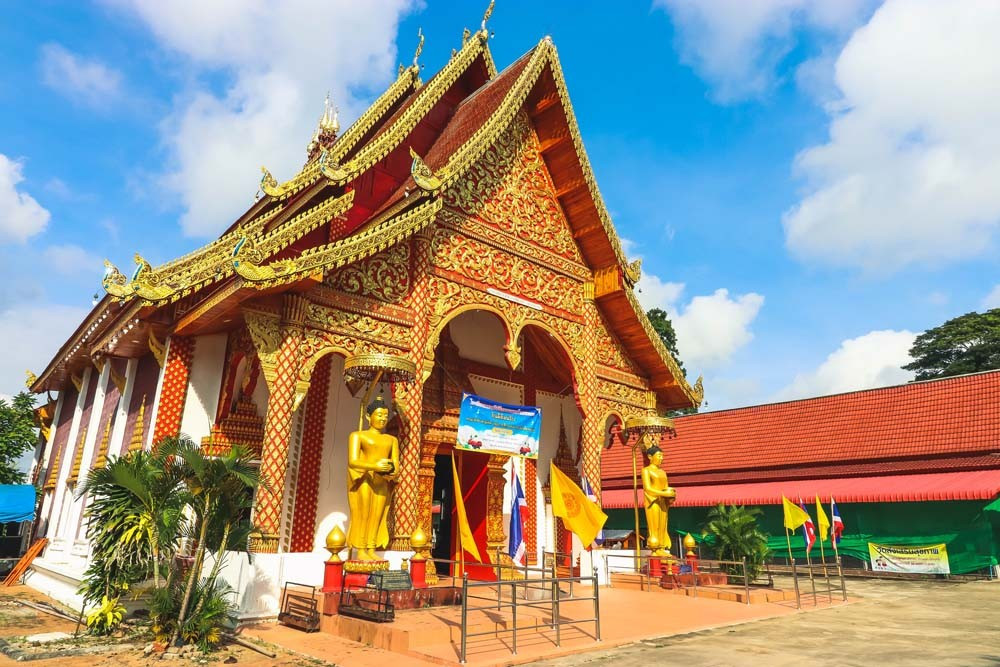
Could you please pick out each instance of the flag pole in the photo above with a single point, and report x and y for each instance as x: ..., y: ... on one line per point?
x: 822, y: 555
x: 809, y: 563
x: 791, y: 561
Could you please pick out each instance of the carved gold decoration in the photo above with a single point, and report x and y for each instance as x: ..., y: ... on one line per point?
x: 74, y: 473
x: 623, y: 394
x: 265, y: 332
x: 643, y: 424
x: 388, y: 138
x: 388, y: 367
x: 375, y: 238
x: 633, y: 271
x: 102, y: 452
x: 366, y: 566
x: 385, y: 276
x: 136, y: 443
x: 422, y: 174
x: 509, y: 187
x: 29, y: 379
x: 77, y: 381
x: 335, y: 541
x: 250, y: 252
x: 50, y: 481
x: 448, y: 299
x: 157, y: 347
x: 505, y: 271
x: 115, y: 283
x: 117, y: 379
x: 509, y: 242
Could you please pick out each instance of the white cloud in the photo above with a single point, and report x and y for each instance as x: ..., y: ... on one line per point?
x: 281, y: 58
x: 736, y: 45
x: 21, y: 217
x: 81, y: 80
x: 31, y: 335
x: 872, y: 360
x: 991, y: 300
x: 71, y: 259
x: 710, y: 329
x: 910, y: 172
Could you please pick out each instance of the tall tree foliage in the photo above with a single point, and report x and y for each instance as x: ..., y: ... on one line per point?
x: 17, y: 435
x: 966, y: 344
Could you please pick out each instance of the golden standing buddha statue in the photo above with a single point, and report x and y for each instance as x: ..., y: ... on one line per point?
x: 372, y: 466
x: 658, y: 496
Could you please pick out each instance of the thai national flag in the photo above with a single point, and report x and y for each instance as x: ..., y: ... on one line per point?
x: 591, y: 496
x: 838, y: 523
x: 515, y: 545
x: 808, y: 529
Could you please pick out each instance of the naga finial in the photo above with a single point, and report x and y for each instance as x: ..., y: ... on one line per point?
x: 423, y: 176
x: 487, y: 15
x: 30, y: 379
x: 466, y: 33
x: 115, y: 282
x: 142, y: 266
x: 420, y: 47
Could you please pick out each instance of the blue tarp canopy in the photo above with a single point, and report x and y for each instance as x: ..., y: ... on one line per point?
x: 17, y: 502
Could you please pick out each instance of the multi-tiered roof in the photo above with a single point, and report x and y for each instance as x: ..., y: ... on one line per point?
x: 375, y: 185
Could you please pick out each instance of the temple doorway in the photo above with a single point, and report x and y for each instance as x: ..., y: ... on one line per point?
x: 473, y: 356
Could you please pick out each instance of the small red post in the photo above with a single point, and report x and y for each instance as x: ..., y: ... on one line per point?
x: 418, y: 572
x: 655, y: 568
x: 333, y: 576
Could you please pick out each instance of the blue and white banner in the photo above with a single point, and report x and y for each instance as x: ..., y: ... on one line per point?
x: 498, y: 428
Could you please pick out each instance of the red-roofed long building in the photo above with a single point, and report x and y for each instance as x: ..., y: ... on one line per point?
x: 909, y: 464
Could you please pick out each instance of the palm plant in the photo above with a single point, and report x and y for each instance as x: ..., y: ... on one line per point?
x: 213, y: 483
x: 133, y: 522
x: 736, y: 535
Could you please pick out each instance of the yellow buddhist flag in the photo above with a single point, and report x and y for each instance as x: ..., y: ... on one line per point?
x: 795, y: 516
x: 466, y: 540
x: 580, y: 515
x: 821, y: 521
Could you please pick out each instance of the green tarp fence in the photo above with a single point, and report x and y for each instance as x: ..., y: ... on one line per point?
x: 969, y: 528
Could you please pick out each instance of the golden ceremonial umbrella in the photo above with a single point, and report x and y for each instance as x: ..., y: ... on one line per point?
x: 642, y: 426
x: 378, y: 367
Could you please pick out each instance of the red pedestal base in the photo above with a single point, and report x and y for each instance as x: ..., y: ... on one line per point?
x: 693, y: 562
x: 655, y: 567
x: 333, y: 574
x: 418, y: 573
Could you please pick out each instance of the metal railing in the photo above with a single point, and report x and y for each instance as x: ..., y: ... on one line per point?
x: 821, y: 570
x: 638, y: 566
x: 499, y: 601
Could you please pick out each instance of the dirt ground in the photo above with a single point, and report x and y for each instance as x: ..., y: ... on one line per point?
x: 894, y: 623
x: 17, y: 620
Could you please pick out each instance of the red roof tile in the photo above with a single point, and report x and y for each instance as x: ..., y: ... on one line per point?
x: 869, y: 430
x: 969, y: 485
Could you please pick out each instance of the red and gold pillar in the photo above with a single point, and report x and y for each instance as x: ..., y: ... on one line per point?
x: 311, y: 459
x: 280, y: 367
x: 176, y: 370
x: 408, y: 399
x: 592, y: 430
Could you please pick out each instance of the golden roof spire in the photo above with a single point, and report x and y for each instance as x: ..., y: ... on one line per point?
x: 487, y: 15
x: 330, y: 121
x: 420, y: 47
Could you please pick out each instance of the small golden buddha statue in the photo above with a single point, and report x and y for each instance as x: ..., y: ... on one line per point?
x: 372, y: 466
x: 658, y: 496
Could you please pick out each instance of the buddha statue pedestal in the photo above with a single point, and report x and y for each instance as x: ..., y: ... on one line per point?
x: 358, y: 571
x: 333, y: 576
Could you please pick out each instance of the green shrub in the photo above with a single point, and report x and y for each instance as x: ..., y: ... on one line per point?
x: 105, y: 618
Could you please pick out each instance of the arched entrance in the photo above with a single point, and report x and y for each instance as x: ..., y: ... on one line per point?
x: 474, y: 355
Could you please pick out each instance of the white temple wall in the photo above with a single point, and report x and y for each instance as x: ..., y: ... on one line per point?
x: 63, y: 495
x: 204, y: 383
x: 342, y: 412
x: 73, y: 530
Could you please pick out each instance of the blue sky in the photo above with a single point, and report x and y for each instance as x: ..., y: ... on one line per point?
x: 808, y: 184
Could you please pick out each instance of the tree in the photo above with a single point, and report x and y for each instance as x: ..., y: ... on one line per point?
x: 735, y: 536
x: 17, y: 435
x: 664, y: 328
x: 969, y: 343
x: 214, y: 483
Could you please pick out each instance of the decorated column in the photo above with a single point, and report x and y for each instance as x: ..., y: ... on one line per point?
x: 277, y: 342
x: 176, y: 370
x: 591, y: 432
x: 311, y: 459
x: 408, y: 399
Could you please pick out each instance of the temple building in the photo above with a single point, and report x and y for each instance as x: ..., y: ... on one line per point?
x: 456, y: 223
x: 912, y: 464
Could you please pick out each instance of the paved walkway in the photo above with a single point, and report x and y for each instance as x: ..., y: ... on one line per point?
x: 895, y: 623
